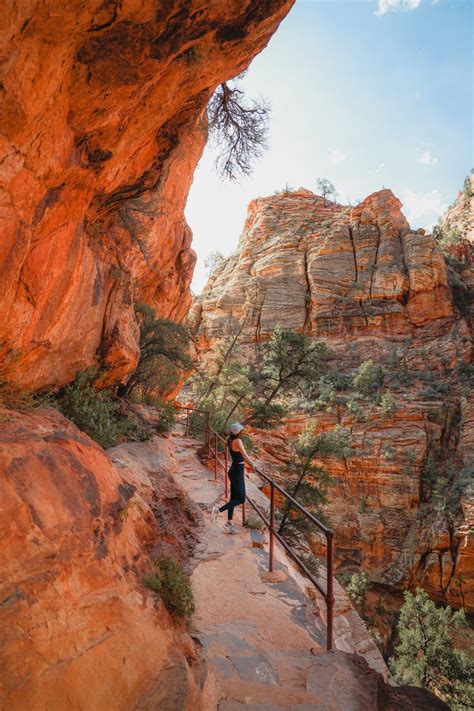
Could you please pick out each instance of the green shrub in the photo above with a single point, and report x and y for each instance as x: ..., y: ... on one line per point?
x: 97, y: 412
x: 403, y: 376
x: 266, y: 416
x: 357, y: 589
x: 326, y: 395
x: 388, y: 452
x: 387, y: 403
x: 430, y: 470
x: 411, y: 455
x: 433, y: 393
x: 426, y: 655
x: 341, y: 381
x: 353, y: 406
x: 369, y: 377
x: 465, y: 372
x: 173, y: 585
x: 446, y: 236
x: 167, y: 415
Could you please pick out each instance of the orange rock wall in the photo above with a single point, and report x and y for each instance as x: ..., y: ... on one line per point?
x: 78, y: 630
x: 102, y: 124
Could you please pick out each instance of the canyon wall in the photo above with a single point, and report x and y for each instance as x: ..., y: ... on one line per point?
x: 102, y: 122
x: 361, y: 281
x: 79, y: 631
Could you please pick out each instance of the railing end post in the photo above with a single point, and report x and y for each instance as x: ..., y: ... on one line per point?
x: 272, y: 527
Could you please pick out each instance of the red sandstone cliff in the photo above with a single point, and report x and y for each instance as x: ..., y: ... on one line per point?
x: 78, y: 631
x: 101, y: 126
x: 360, y: 280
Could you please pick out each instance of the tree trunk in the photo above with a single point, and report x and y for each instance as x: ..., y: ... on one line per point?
x: 288, y: 503
x: 233, y: 409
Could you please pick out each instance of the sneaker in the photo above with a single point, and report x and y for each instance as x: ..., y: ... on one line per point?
x: 230, y: 528
x: 214, y: 513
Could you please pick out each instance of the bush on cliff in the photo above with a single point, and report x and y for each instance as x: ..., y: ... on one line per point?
x: 357, y: 589
x: 369, y: 378
x: 446, y: 236
x: 97, y: 412
x: 172, y: 584
x: 164, y: 356
x: 266, y: 416
x: 426, y: 655
x: 387, y: 404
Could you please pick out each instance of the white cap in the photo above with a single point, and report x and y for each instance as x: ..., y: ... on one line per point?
x: 236, y: 428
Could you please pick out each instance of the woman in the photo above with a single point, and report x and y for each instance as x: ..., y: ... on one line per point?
x: 236, y: 476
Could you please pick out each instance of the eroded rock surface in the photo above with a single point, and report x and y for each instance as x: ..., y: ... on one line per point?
x: 361, y: 281
x: 78, y: 630
x: 102, y: 124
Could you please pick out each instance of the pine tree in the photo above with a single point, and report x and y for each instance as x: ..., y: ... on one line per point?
x: 309, y: 481
x: 426, y: 655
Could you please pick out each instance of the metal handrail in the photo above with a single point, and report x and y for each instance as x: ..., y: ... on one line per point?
x: 213, y: 453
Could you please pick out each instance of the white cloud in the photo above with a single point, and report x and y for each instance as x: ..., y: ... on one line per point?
x: 385, y: 6
x: 336, y: 156
x: 427, y: 159
x: 423, y: 209
x: 377, y: 169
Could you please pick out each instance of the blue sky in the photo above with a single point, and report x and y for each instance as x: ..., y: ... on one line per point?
x: 368, y: 93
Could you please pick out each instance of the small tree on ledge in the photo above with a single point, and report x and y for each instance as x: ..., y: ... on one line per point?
x: 326, y: 189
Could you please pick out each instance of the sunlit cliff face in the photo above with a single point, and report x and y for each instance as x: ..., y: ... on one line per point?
x: 102, y: 127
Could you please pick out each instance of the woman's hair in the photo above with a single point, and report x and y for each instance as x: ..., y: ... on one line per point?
x: 231, y: 437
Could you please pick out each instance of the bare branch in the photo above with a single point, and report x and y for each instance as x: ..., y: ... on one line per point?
x: 239, y: 128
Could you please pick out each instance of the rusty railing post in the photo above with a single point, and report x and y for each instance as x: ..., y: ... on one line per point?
x: 187, y: 421
x: 225, y: 472
x: 215, y: 456
x: 329, y: 589
x: 208, y: 435
x: 272, y: 527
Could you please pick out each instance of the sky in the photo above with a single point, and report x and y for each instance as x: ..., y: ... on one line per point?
x: 367, y: 93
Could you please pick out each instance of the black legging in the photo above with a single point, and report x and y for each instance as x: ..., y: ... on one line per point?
x: 237, y: 489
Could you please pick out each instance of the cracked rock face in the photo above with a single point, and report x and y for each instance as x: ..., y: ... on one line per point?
x: 330, y: 271
x: 361, y: 281
x: 79, y: 530
x: 102, y: 126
